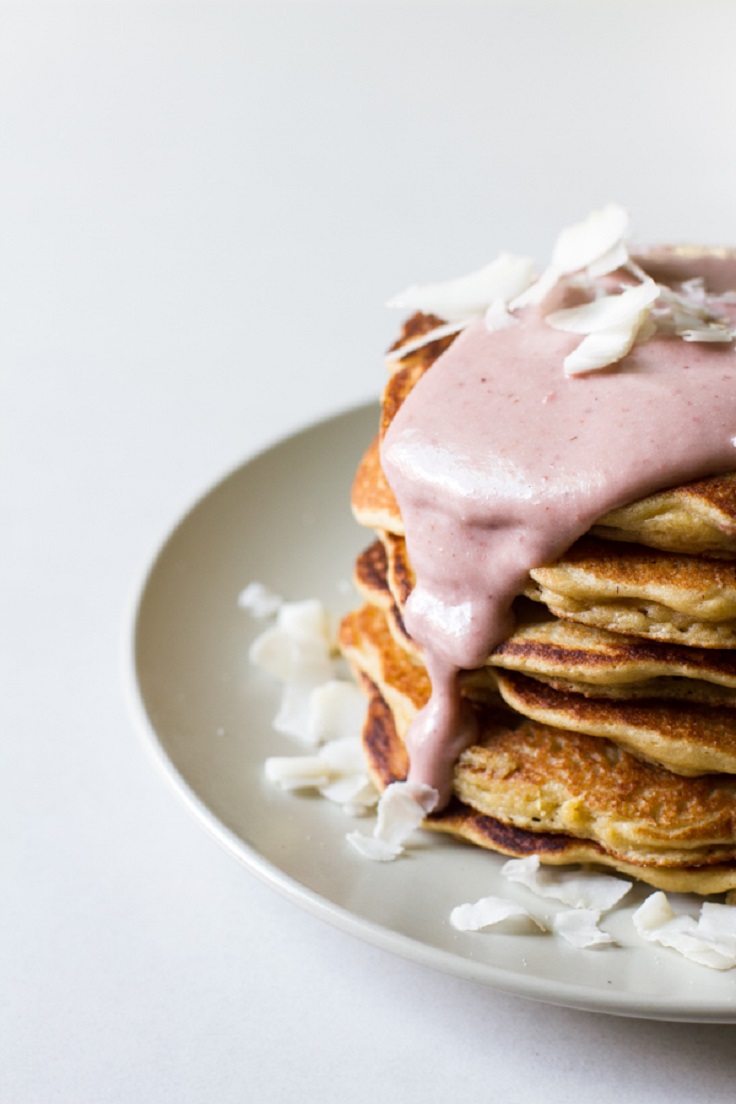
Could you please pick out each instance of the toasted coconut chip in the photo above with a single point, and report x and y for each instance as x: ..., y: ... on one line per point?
x: 709, y: 941
x: 487, y: 912
x: 579, y: 927
x: 401, y: 810
x: 579, y: 889
x: 459, y: 299
x: 259, y: 601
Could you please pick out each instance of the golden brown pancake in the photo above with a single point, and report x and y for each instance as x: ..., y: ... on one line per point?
x: 538, y: 793
x: 621, y: 588
x: 687, y: 737
x: 698, y: 518
x: 632, y: 589
x: 579, y: 659
x: 607, y: 720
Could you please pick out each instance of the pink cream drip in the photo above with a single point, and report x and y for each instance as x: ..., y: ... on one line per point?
x: 499, y: 463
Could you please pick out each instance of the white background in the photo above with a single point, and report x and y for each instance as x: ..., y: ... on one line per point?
x: 203, y: 208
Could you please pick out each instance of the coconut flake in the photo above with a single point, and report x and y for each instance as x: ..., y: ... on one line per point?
x: 344, y: 755
x: 599, y: 350
x: 294, y: 711
x: 336, y: 709
x: 401, y: 810
x: 585, y: 243
x: 259, y: 601
x: 608, y: 312
x: 467, y: 296
x: 595, y: 245
x: 297, y: 772
x: 355, y: 793
x: 710, y: 333
x: 498, y: 317
x: 306, y: 618
x: 487, y: 912
x: 297, y: 652
x: 615, y: 258
x: 291, y: 658
x: 709, y: 941
x: 579, y: 927
x: 426, y: 339
x: 577, y: 889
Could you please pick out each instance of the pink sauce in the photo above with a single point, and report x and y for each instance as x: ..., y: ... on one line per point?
x: 499, y: 463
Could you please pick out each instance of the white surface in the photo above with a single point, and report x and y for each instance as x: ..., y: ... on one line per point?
x: 203, y: 208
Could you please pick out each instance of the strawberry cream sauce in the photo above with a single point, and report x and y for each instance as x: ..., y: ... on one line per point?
x: 499, y: 461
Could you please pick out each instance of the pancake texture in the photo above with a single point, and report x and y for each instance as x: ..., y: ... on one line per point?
x: 606, y: 720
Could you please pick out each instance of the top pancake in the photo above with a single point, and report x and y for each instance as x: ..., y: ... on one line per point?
x: 698, y: 518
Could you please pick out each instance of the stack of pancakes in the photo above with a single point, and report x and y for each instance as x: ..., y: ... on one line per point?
x: 607, y: 720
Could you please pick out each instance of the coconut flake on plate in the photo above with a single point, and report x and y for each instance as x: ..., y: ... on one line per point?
x: 336, y: 770
x: 336, y: 709
x: 297, y: 772
x: 579, y: 927
x: 709, y: 940
x: 487, y: 912
x: 401, y: 809
x: 259, y: 600
x: 297, y: 651
x: 297, y: 648
x: 355, y: 793
x: 579, y: 889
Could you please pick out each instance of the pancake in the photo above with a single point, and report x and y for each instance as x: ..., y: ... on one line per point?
x: 607, y: 718
x: 531, y: 791
x: 698, y: 518
x: 636, y: 590
x: 578, y: 658
x: 687, y: 736
x: 630, y: 589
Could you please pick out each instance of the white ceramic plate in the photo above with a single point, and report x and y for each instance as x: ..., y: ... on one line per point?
x: 284, y: 519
